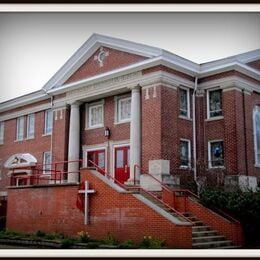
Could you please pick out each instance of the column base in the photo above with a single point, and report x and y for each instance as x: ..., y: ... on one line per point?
x: 73, y: 178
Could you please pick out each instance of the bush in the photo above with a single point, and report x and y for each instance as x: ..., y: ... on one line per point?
x: 67, y: 243
x: 110, y: 240
x: 150, y: 242
x: 244, y: 206
x: 127, y: 244
x: 40, y: 233
x: 84, y: 237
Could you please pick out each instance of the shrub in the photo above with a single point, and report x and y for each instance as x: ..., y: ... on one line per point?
x: 150, y: 242
x: 127, y: 244
x: 110, y: 240
x: 84, y: 236
x: 67, y: 243
x: 40, y: 233
x: 244, y: 206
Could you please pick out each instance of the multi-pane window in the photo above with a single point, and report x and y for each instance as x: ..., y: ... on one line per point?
x: 124, y: 109
x: 256, y: 119
x: 184, y: 104
x: 216, y: 154
x: 30, y: 126
x: 48, y: 122
x: 20, y: 128
x: 47, y: 162
x: 95, y: 116
x: 185, y: 153
x: 1, y: 132
x: 215, y: 103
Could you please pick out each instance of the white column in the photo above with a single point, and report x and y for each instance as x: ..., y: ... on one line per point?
x: 135, y: 134
x: 74, y: 140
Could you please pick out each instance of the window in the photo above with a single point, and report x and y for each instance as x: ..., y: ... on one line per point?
x: 1, y: 132
x: 216, y: 154
x: 47, y: 162
x: 95, y: 116
x: 214, y: 103
x: 256, y: 120
x: 48, y: 122
x: 124, y: 109
x: 20, y: 128
x: 30, y: 126
x: 185, y: 153
x: 184, y: 102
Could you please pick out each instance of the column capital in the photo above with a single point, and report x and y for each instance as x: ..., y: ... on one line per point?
x: 75, y: 103
x: 135, y: 88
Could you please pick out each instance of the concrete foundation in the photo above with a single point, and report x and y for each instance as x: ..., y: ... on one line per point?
x: 240, y: 182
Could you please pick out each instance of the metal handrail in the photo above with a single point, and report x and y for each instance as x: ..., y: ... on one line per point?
x: 141, y: 189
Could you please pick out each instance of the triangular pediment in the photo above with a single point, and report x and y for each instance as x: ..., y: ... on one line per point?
x: 100, y: 54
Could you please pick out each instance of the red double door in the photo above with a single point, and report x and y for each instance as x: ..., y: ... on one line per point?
x: 121, y: 166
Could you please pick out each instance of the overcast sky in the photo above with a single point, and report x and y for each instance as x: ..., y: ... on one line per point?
x: 33, y: 46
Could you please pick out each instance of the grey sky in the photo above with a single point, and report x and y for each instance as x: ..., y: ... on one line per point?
x: 33, y: 46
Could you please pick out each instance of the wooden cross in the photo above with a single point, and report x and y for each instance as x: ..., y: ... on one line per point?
x: 86, y: 191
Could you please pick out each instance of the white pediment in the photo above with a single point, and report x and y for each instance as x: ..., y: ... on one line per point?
x: 89, y: 47
x: 20, y: 160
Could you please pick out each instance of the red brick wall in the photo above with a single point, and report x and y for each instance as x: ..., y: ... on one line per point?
x: 54, y: 209
x: 116, y: 59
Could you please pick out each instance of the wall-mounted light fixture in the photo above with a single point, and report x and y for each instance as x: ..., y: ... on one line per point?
x: 107, y: 132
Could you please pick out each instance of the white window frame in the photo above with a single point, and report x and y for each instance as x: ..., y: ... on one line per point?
x: 46, y: 131
x: 118, y: 100
x: 2, y: 131
x: 88, y: 109
x: 208, y: 104
x: 188, y: 103
x: 189, y: 154
x: 18, y: 122
x: 46, y: 171
x: 28, y: 126
x: 255, y: 111
x: 209, y: 154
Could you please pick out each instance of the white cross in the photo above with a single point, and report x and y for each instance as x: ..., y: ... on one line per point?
x: 86, y: 192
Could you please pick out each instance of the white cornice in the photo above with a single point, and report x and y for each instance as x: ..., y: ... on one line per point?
x: 232, y: 81
x: 24, y: 112
x: 23, y: 100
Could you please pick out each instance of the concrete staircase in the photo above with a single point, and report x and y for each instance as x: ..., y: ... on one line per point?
x: 204, y: 237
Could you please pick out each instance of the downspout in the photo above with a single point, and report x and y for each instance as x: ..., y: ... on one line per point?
x: 194, y: 129
x: 245, y: 134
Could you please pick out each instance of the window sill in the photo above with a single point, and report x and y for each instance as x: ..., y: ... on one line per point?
x: 47, y: 134
x: 20, y: 140
x: 216, y: 167
x: 29, y: 138
x: 185, y: 118
x: 214, y: 118
x: 122, y: 122
x: 94, y: 127
x: 182, y: 167
x: 257, y: 165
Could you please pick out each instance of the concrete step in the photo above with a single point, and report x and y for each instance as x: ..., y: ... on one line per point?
x: 228, y: 247
x: 204, y: 233
x: 200, y: 228
x: 207, y: 239
x: 212, y: 244
x: 198, y: 223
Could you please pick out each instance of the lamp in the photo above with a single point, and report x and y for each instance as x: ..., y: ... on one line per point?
x: 107, y: 132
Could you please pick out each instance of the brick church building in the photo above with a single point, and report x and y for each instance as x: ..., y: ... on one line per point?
x: 123, y: 115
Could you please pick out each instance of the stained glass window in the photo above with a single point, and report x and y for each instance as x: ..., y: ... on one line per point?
x: 184, y: 153
x: 216, y: 154
x: 215, y: 103
x: 257, y: 134
x: 184, y: 102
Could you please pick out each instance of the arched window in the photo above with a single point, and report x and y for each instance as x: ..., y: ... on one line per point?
x: 256, y: 120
